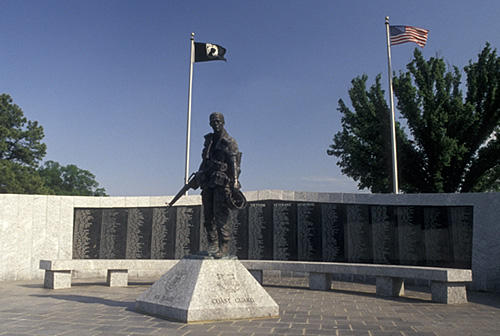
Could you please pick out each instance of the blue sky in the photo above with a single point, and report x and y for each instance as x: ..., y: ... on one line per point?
x: 108, y: 80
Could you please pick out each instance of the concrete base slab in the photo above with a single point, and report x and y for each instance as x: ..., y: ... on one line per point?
x: 197, y: 290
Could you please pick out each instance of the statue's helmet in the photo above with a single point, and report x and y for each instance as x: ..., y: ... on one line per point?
x: 237, y: 200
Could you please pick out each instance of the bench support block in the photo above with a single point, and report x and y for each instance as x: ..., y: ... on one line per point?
x: 388, y: 286
x: 57, y: 279
x: 117, y: 278
x: 448, y: 293
x: 257, y: 274
x: 320, y: 281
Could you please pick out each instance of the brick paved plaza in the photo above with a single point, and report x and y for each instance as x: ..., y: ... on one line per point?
x: 91, y: 308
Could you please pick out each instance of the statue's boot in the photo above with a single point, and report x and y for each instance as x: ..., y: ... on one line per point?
x: 223, y: 250
x: 213, y: 242
x: 224, y: 235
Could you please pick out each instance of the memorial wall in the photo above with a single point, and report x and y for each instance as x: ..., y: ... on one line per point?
x: 284, y: 230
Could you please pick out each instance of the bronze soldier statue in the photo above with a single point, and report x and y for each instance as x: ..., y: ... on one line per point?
x: 218, y: 178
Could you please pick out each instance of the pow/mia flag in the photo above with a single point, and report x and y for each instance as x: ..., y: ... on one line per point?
x: 208, y: 52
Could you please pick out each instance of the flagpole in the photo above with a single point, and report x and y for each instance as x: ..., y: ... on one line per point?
x: 393, y: 122
x: 188, y: 132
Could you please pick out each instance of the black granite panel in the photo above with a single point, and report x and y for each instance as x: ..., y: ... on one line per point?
x: 410, y: 235
x: 309, y: 238
x: 260, y: 231
x: 146, y: 233
x: 358, y: 234
x: 187, y: 231
x: 202, y: 232
x: 460, y: 220
x: 285, y: 231
x: 113, y: 234
x: 94, y: 234
x: 333, y: 246
x: 159, y: 233
x: 195, y: 233
x: 135, y: 223
x: 109, y: 226
x: 87, y: 234
x: 268, y: 231
x: 317, y: 229
x: 183, y: 228
x: 407, y: 235
x: 385, y: 247
x: 437, y: 237
x: 171, y: 229
x: 239, y: 245
x: 84, y: 228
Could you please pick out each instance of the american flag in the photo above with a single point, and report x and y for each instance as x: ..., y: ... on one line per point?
x: 403, y: 34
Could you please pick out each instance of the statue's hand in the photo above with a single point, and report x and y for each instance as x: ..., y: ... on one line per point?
x: 236, y: 184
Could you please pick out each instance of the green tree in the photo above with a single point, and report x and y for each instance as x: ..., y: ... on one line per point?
x: 19, y: 179
x: 70, y: 180
x: 21, y: 150
x: 451, y: 144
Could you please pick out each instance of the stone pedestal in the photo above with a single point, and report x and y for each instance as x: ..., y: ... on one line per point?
x: 196, y: 290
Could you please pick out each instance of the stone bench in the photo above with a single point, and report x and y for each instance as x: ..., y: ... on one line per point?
x: 58, y: 272
x: 447, y: 284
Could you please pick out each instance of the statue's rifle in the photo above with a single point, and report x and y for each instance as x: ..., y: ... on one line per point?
x: 191, y: 184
